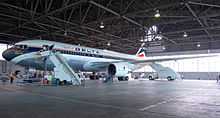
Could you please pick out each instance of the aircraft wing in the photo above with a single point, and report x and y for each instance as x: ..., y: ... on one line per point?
x: 154, y: 59
x: 169, y: 58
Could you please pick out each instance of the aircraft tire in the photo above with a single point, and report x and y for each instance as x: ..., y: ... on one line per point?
x: 64, y: 82
x: 122, y: 78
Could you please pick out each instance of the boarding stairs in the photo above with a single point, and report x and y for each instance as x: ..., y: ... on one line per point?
x: 62, y: 69
x: 164, y: 72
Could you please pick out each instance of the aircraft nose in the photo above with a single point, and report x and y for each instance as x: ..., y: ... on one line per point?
x: 9, y: 54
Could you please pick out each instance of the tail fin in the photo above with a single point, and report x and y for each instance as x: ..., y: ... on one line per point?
x: 141, y: 52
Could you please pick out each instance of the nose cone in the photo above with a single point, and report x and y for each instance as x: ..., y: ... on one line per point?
x: 9, y: 54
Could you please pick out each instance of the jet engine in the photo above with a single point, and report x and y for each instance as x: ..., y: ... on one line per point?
x: 120, y: 70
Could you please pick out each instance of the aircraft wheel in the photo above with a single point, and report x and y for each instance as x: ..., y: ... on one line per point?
x: 120, y: 78
x: 126, y: 78
x: 123, y: 78
x: 64, y: 82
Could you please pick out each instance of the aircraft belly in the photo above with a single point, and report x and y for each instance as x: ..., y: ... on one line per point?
x: 39, y: 64
x: 79, y: 62
x: 36, y: 63
x: 76, y: 62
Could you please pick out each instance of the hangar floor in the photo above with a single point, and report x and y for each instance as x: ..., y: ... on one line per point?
x: 136, y: 99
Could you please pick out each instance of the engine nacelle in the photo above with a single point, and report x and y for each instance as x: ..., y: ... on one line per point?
x: 119, y: 69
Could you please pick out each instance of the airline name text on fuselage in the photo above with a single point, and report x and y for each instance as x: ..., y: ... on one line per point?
x: 85, y: 50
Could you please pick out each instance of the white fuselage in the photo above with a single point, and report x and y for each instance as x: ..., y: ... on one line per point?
x: 80, y: 58
x: 77, y: 56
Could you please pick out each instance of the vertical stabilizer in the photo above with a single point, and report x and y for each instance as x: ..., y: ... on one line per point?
x: 141, y: 52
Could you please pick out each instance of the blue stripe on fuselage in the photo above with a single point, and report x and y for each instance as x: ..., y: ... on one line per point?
x: 69, y: 52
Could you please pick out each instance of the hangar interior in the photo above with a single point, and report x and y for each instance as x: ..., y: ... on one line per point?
x: 161, y: 27
x: 181, y: 26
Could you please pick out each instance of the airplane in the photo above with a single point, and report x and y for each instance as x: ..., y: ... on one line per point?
x: 84, y: 59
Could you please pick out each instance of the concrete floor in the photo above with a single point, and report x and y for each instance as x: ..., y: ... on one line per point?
x: 133, y: 99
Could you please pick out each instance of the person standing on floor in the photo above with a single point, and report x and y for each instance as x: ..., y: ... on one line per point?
x: 218, y: 78
x: 12, y: 77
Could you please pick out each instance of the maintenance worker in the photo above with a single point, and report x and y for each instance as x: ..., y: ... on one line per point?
x: 45, y: 79
x: 218, y: 78
x: 49, y: 78
x: 12, y: 77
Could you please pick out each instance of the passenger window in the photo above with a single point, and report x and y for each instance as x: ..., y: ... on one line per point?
x: 16, y: 46
x: 21, y: 46
x: 25, y: 46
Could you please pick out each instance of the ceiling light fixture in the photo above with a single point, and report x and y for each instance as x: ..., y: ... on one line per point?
x: 108, y: 44
x: 198, y: 45
x: 185, y: 34
x: 65, y: 33
x: 102, y: 25
x: 157, y: 14
x: 142, y: 45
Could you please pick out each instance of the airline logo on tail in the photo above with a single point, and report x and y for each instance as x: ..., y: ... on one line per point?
x: 141, y: 52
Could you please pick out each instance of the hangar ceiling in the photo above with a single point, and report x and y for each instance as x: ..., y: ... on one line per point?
x: 126, y: 23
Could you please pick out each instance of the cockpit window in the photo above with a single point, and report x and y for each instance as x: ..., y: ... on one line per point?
x: 21, y: 46
x: 25, y: 46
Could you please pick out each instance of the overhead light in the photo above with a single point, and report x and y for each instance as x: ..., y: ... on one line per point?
x: 102, y: 25
x: 157, y: 14
x: 185, y: 34
x: 198, y: 45
x: 65, y: 33
x: 164, y: 48
x: 108, y: 44
x: 142, y: 44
